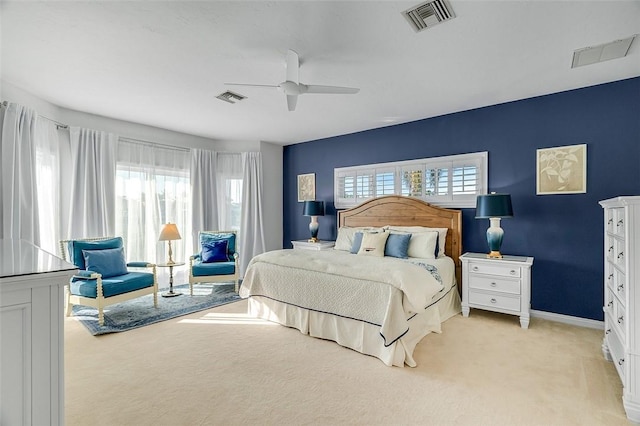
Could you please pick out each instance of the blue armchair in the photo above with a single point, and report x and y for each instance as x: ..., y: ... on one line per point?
x: 104, y: 278
x: 217, y: 260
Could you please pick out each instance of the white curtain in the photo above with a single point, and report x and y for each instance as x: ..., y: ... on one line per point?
x: 93, y: 171
x: 49, y: 184
x: 152, y: 189
x: 18, y: 198
x: 204, y: 200
x: 252, y: 236
x: 229, y: 191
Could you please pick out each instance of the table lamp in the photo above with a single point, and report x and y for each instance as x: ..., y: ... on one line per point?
x: 494, y: 207
x: 313, y: 209
x: 169, y: 233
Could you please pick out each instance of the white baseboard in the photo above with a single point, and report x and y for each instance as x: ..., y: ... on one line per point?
x: 567, y: 319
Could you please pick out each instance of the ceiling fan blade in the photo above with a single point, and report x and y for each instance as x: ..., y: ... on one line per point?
x: 292, y: 100
x: 252, y: 85
x: 313, y: 88
x: 293, y: 66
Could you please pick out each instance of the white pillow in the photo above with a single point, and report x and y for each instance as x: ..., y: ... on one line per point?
x: 423, y: 245
x: 442, y: 234
x: 344, y: 240
x: 373, y: 244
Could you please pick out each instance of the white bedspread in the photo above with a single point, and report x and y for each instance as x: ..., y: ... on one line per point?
x: 380, y: 291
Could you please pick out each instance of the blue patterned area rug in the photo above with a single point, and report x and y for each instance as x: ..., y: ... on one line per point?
x: 140, y: 312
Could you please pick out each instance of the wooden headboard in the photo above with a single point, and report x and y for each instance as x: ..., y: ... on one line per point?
x: 407, y: 211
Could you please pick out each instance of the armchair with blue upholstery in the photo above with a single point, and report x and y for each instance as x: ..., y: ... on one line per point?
x: 217, y: 260
x: 104, y: 278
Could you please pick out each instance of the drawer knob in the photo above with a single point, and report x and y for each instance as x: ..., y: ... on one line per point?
x: 621, y: 361
x: 610, y: 222
x: 513, y: 272
x: 610, y: 249
x: 475, y: 268
x: 608, y: 331
x: 620, y: 319
x: 493, y: 284
x: 493, y: 300
x: 620, y: 255
x: 620, y: 287
x: 610, y: 276
x: 610, y: 304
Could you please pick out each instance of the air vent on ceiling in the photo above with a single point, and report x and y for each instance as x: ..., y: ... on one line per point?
x: 428, y: 14
x: 230, y: 97
x: 603, y: 52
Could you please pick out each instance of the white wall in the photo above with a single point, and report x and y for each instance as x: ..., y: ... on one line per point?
x: 271, y: 153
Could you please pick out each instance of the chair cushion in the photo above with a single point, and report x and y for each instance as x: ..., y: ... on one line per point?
x: 108, y: 262
x: 112, y: 286
x: 215, y: 251
x: 76, y: 247
x: 218, y: 268
x: 229, y: 237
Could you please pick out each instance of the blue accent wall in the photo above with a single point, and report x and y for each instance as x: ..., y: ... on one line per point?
x: 564, y: 233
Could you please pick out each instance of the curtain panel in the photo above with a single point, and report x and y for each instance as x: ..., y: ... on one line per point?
x: 252, y: 236
x: 152, y: 189
x: 204, y: 199
x: 18, y: 199
x: 93, y: 171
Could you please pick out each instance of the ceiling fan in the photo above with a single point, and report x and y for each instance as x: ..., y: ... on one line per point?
x: 292, y: 86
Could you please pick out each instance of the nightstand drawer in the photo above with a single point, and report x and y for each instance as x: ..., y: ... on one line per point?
x: 503, y: 270
x: 494, y: 300
x: 494, y: 284
x: 616, y: 349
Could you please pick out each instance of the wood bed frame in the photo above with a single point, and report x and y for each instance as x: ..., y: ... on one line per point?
x: 406, y: 211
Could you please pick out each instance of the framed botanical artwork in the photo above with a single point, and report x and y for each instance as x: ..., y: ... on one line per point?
x: 561, y: 170
x: 307, y: 187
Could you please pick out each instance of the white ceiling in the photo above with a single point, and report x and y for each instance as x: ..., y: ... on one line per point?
x: 163, y: 63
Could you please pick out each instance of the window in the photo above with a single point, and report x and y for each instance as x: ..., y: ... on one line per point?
x: 452, y: 181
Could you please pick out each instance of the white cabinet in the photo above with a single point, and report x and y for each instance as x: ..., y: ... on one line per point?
x: 499, y: 285
x: 319, y: 245
x: 621, y: 343
x: 31, y: 334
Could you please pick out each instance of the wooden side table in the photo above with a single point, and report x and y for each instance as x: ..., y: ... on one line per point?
x: 499, y: 285
x: 307, y: 245
x: 170, y: 293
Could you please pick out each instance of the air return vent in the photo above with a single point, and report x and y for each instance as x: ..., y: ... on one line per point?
x: 230, y: 97
x: 428, y: 14
x: 602, y: 52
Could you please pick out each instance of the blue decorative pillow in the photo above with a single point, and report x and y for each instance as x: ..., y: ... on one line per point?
x: 397, y: 245
x: 357, y: 242
x: 108, y: 262
x: 76, y: 247
x: 214, y: 251
x: 229, y: 237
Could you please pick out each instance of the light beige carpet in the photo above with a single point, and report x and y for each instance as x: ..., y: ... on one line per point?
x: 219, y: 367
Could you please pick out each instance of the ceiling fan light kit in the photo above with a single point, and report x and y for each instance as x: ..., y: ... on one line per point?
x: 292, y: 87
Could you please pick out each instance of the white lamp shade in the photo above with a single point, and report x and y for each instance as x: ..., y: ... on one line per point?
x: 169, y: 233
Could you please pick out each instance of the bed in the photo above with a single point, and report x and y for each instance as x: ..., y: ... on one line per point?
x: 378, y: 306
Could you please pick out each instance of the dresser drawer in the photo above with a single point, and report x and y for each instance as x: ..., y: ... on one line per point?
x: 617, y: 351
x: 510, y: 303
x: 496, y: 269
x: 494, y: 284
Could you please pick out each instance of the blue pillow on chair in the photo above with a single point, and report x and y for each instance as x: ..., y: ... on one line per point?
x: 76, y: 247
x: 108, y: 262
x: 214, y: 251
x: 230, y: 238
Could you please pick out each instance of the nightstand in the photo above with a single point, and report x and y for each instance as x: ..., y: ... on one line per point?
x: 499, y: 285
x: 306, y: 245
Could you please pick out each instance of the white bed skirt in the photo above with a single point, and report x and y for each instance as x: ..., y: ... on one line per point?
x: 357, y: 335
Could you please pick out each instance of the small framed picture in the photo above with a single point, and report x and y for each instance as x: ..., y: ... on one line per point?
x: 307, y: 187
x: 561, y: 170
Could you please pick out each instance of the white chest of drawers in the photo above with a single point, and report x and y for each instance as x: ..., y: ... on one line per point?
x: 621, y: 343
x: 500, y: 285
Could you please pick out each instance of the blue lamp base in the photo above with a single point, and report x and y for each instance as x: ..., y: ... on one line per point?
x: 494, y: 238
x: 313, y: 228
